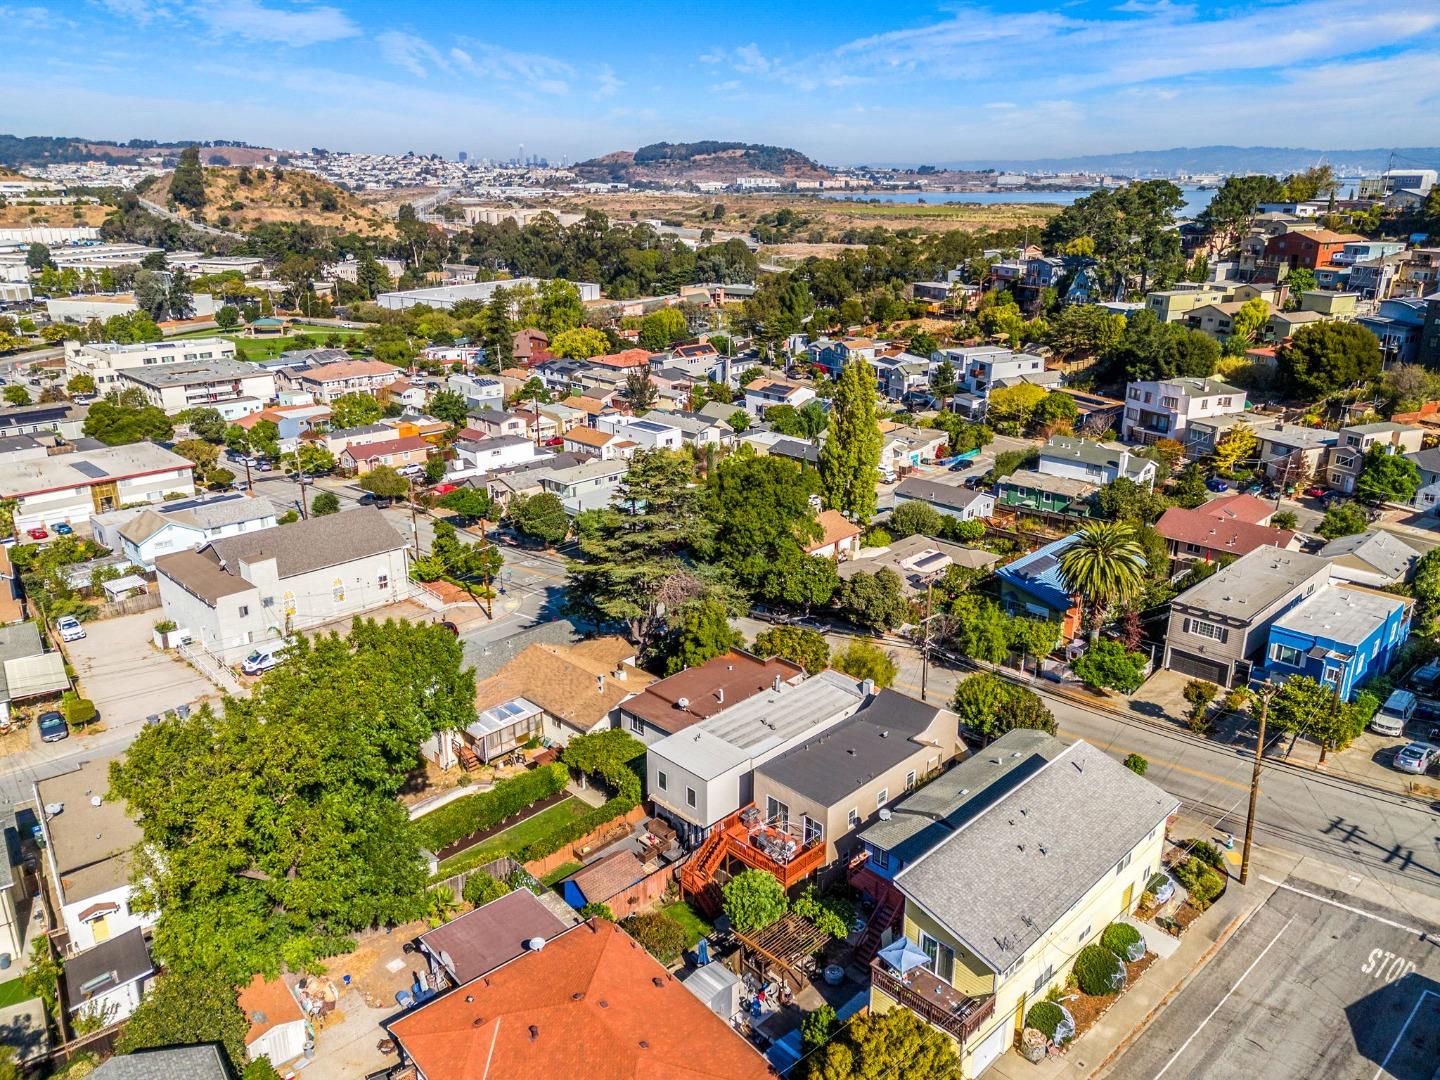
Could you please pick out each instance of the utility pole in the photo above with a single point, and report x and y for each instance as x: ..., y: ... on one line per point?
x: 925, y: 642
x: 1265, y: 693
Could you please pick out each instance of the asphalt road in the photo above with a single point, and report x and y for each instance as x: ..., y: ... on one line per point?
x: 1315, y: 984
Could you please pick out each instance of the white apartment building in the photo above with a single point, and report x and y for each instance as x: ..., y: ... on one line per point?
x: 645, y: 432
x: 326, y: 382
x: 486, y: 455
x: 143, y: 535
x: 262, y: 587
x: 204, y: 384
x: 445, y: 297
x: 1163, y: 409
x: 980, y: 369
x: 706, y: 771
x: 70, y: 487
x: 104, y: 361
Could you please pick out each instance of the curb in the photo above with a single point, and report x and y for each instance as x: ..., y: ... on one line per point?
x: 1144, y: 1022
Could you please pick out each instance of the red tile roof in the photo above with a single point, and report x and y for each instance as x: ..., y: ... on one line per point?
x: 1239, y: 507
x: 592, y: 1003
x: 630, y: 358
x: 837, y: 528
x: 370, y: 451
x: 267, y: 1003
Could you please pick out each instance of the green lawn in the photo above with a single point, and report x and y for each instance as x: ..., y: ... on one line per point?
x: 268, y: 348
x: 13, y: 992
x: 559, y: 874
x: 517, y: 836
x: 694, y: 923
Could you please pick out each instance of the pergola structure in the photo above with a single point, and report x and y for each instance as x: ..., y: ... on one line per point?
x: 783, y: 946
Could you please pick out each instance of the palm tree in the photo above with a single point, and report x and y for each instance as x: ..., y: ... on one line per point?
x: 1105, y: 566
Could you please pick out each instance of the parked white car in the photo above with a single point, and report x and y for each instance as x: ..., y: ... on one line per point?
x: 70, y: 628
x: 1416, y: 757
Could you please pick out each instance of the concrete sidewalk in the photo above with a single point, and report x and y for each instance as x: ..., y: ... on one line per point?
x: 1092, y: 1054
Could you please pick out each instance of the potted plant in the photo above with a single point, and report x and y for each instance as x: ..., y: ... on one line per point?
x: 163, y: 631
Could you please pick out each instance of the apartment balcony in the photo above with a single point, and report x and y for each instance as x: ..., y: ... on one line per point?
x: 933, y: 999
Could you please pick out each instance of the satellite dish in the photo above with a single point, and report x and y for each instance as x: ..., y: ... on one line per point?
x: 884, y: 815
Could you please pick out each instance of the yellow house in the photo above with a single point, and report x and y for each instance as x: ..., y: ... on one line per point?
x: 1002, y: 906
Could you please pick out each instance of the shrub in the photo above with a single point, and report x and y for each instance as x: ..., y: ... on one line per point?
x: 658, y: 934
x: 597, y: 911
x: 1156, y: 882
x: 481, y: 888
x: 1208, y: 853
x: 816, y: 1027
x: 1098, y: 970
x: 1108, y: 665
x: 1121, y: 939
x: 830, y: 913
x: 1200, y: 881
x: 1136, y: 764
x: 459, y: 819
x: 1045, y: 1017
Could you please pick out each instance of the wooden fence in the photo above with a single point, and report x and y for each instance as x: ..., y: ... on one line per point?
x: 131, y: 605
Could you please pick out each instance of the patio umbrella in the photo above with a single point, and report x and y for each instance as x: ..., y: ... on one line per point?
x: 702, y: 952
x: 902, y: 954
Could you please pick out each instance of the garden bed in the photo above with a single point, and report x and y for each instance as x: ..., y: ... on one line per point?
x: 560, y: 812
x: 1087, y: 1009
x: 477, y: 838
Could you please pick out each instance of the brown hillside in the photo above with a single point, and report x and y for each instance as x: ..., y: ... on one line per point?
x: 295, y: 196
x: 235, y: 155
x: 19, y: 215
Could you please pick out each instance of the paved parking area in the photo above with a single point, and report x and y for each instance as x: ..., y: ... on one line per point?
x: 1316, y: 984
x: 120, y: 669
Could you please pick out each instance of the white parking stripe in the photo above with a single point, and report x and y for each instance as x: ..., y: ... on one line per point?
x: 1345, y: 907
x: 1174, y: 1057
x: 1401, y: 1033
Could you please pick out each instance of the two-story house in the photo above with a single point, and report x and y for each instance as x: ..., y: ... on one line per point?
x: 705, y: 773
x: 838, y: 781
x: 1094, y: 462
x: 829, y: 356
x: 1164, y: 408
x: 997, y: 911
x: 1217, y: 320
x: 686, y: 698
x: 1346, y: 459
x: 1375, y: 558
x: 762, y: 394
x: 903, y: 376
x: 480, y: 456
x: 1399, y: 323
x: 1034, y: 585
x: 1173, y: 305
x: 1341, y: 635
x: 979, y: 369
x: 952, y: 500
x: 590, y: 485
x: 143, y: 534
x: 240, y: 591
x: 649, y: 432
x: 1219, y: 628
x: 1306, y: 247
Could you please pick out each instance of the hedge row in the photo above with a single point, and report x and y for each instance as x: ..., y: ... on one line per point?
x: 457, y: 820
x: 605, y: 755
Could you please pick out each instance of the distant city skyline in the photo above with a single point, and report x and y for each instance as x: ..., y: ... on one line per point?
x: 910, y: 82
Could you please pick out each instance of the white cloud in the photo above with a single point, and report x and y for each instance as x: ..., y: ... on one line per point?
x: 142, y: 11
x: 486, y: 60
x: 607, y: 83
x: 31, y: 18
x: 1001, y: 105
x: 414, y: 54
x: 293, y: 26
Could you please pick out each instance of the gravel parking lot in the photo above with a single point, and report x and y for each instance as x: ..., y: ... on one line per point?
x: 1315, y: 984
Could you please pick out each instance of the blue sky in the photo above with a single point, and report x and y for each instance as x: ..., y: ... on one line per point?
x: 845, y: 82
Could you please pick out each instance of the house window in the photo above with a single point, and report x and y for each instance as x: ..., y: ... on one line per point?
x: 661, y: 780
x: 1287, y: 655
x: 777, y: 811
x: 1043, y: 978
x: 338, y: 591
x: 1170, y: 402
x: 1225, y: 402
x: 244, y: 610
x: 852, y: 819
x: 1194, y: 549
x: 942, y: 957
x: 880, y: 857
x: 1134, y: 394
x: 1080, y: 937
x: 267, y: 601
x: 1132, y: 414
x: 1201, y: 628
x: 910, y: 780
x: 637, y: 725
x: 812, y: 830
x: 882, y: 797
x: 383, y: 581
x: 1119, y: 867
x: 689, y: 796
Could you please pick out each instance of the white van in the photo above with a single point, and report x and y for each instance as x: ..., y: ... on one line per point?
x: 1399, y: 707
x: 264, y: 658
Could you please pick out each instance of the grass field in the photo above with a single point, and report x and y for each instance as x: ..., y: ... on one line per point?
x: 12, y: 992
x: 517, y: 836
x: 694, y: 923
x: 268, y: 348
x: 559, y: 874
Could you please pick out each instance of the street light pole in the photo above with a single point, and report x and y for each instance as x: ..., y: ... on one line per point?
x: 925, y: 642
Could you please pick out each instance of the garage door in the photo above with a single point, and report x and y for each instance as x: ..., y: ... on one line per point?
x: 1199, y: 667
x: 993, y: 1046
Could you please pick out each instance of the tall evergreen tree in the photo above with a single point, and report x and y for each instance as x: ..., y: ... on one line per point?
x: 850, y: 458
x: 187, y: 185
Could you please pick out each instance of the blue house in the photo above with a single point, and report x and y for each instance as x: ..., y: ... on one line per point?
x: 1339, y: 634
x: 1033, y: 585
x: 1400, y: 326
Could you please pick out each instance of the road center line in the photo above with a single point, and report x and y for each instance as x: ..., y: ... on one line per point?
x: 1174, y: 1057
x: 1343, y: 907
x: 1401, y: 1033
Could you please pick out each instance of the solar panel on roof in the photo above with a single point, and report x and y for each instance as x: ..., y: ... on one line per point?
x: 90, y: 469
x: 1041, y: 566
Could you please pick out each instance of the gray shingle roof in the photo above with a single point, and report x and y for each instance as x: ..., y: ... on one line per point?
x: 110, y: 964
x: 952, y: 496
x: 1011, y: 873
x: 175, y: 1063
x: 315, y: 543
x: 939, y: 808
x: 1386, y: 552
x: 849, y: 755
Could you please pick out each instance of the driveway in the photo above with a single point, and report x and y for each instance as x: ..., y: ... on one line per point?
x: 119, y: 668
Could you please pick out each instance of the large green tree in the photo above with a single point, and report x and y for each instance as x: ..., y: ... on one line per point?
x: 705, y: 633
x: 1323, y: 357
x: 270, y: 826
x: 127, y: 417
x: 798, y: 644
x: 761, y: 519
x: 1387, y: 477
x: 1151, y: 349
x: 850, y: 458
x: 991, y: 706
x: 1228, y: 215
x: 1130, y: 231
x: 187, y: 182
x: 875, y: 601
x: 541, y: 517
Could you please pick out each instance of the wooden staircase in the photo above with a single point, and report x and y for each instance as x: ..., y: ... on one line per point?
x: 888, y: 913
x: 697, y: 875
x: 469, y: 760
